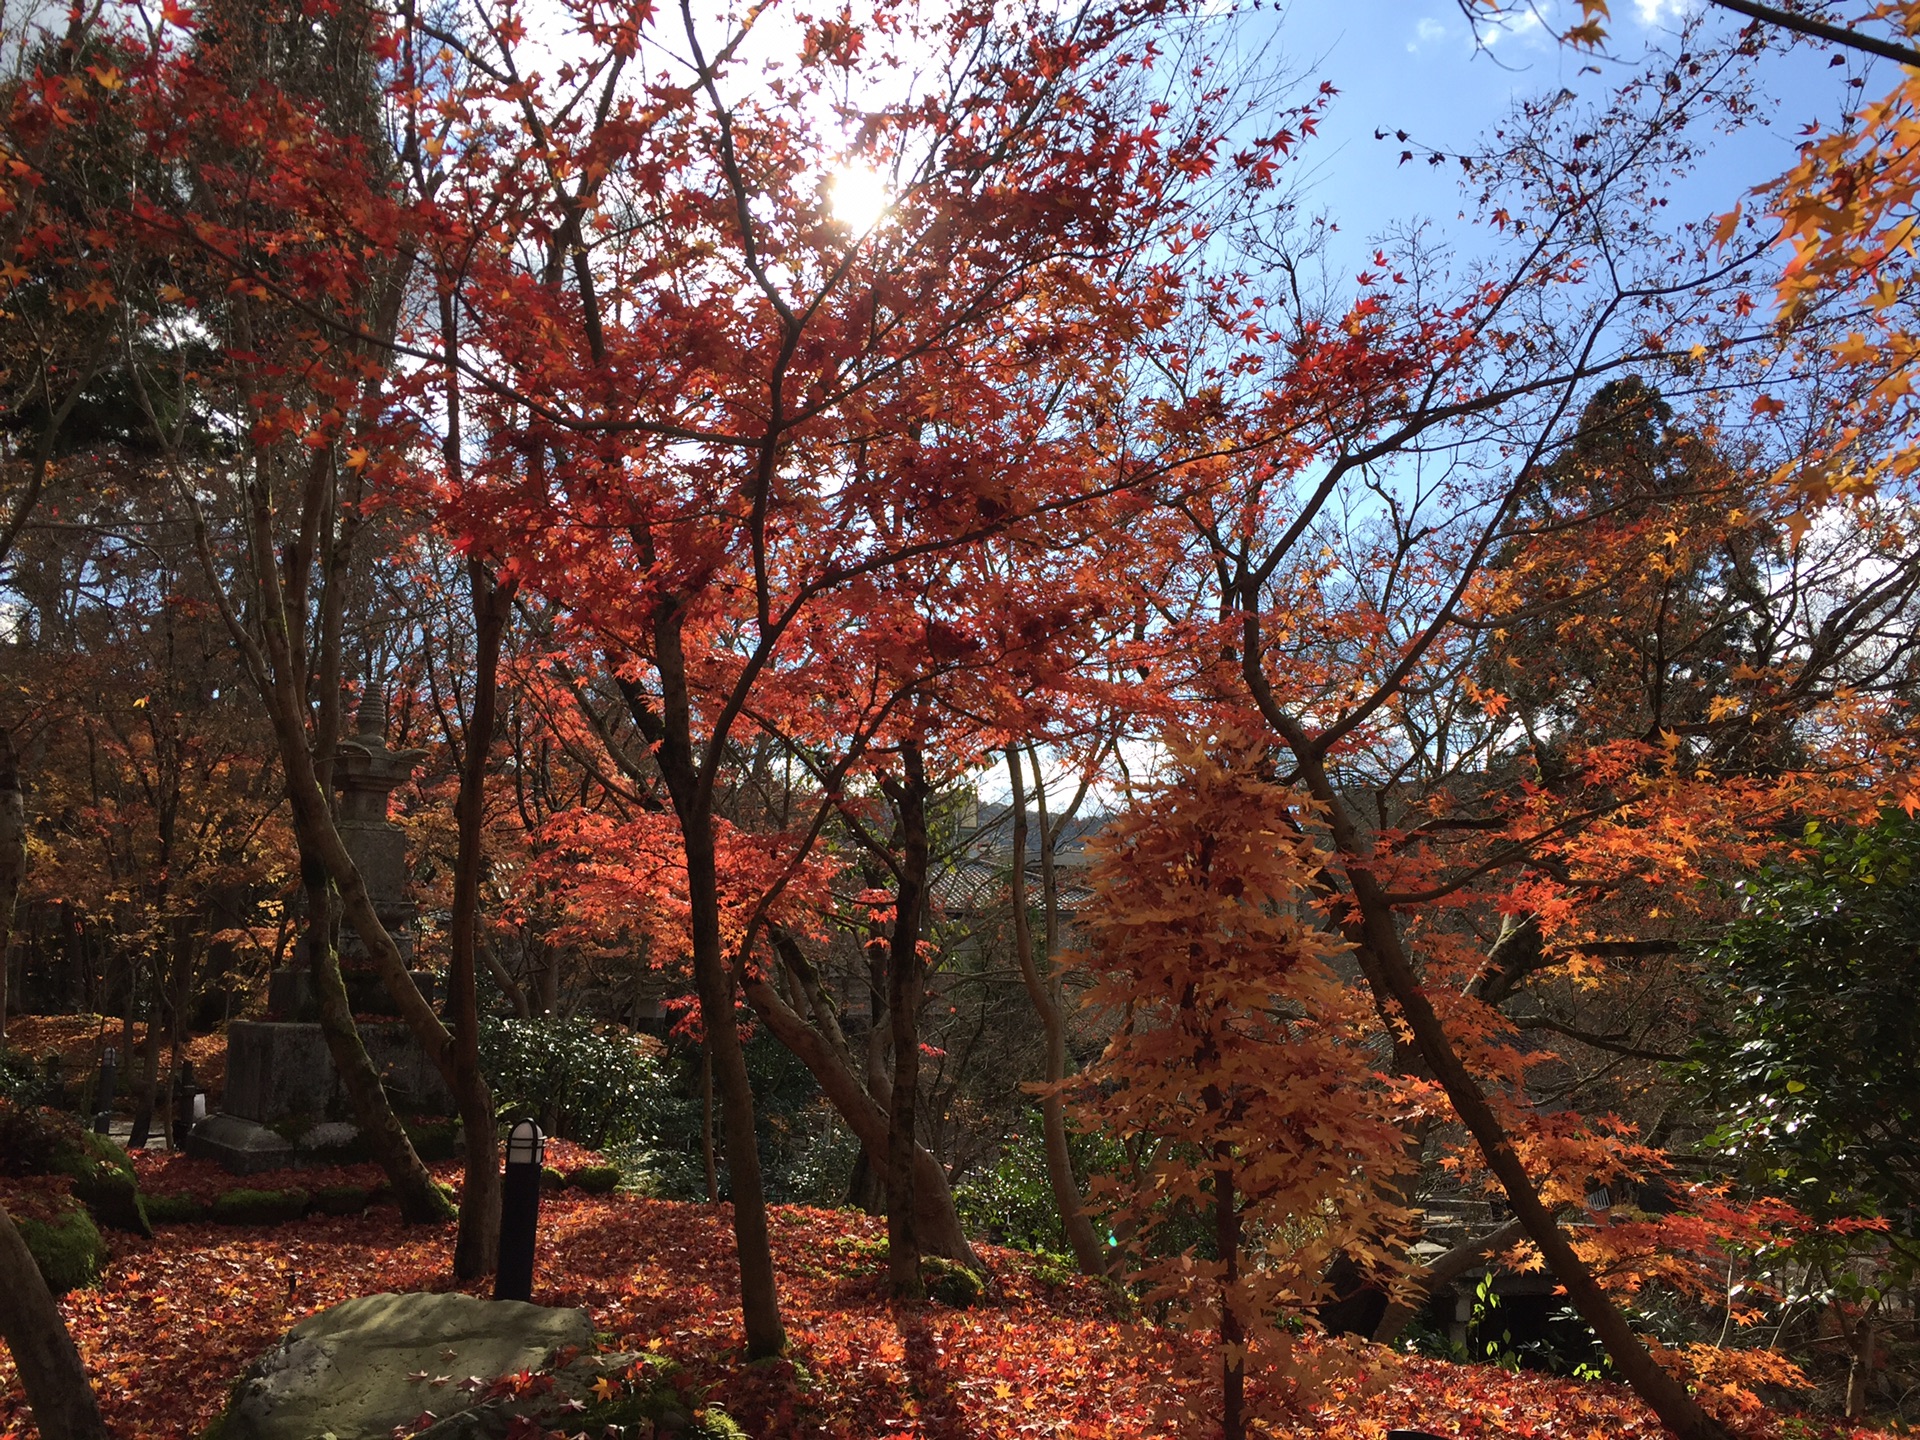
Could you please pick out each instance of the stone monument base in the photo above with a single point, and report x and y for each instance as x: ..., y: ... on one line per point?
x: 279, y: 1072
x: 240, y: 1147
x: 284, y: 1103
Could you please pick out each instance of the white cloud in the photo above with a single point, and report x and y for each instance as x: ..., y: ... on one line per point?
x: 1524, y: 22
x: 1652, y: 12
x: 1426, y: 32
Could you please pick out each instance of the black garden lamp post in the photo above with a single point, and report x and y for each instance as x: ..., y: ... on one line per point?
x: 519, y: 1212
x: 103, y: 1094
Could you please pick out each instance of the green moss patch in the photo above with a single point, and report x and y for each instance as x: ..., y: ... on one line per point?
x: 260, y: 1207
x: 596, y: 1179
x: 174, y: 1209
x: 950, y: 1283
x: 68, y: 1250
x: 341, y: 1199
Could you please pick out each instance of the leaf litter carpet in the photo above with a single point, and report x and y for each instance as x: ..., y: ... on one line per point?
x: 176, y: 1318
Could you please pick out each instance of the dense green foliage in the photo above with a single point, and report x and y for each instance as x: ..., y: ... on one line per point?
x: 22, y: 1082
x: 1011, y: 1203
x: 1816, y: 1068
x: 580, y: 1081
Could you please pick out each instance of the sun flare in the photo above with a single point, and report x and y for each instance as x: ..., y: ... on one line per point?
x: 859, y: 197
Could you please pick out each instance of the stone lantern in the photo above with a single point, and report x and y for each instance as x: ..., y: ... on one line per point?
x: 284, y: 1103
x: 366, y: 773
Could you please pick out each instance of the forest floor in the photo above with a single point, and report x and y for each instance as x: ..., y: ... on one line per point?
x: 175, y: 1319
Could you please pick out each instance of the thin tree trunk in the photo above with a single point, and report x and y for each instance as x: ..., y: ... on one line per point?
x: 759, y: 1293
x: 1087, y: 1251
x: 937, y: 1226
x: 476, y: 1249
x: 421, y: 1201
x: 58, y: 1391
x: 715, y: 985
x: 511, y: 988
x: 13, y: 854
x: 905, y: 972
x: 149, y: 1068
x: 1385, y: 962
x: 1226, y: 1239
x: 706, y: 1124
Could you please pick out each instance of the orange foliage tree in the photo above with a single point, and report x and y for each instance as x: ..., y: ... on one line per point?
x: 1238, y: 1075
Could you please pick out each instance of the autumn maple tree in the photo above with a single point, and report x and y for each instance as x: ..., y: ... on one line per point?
x: 1237, y: 1073
x: 725, y: 438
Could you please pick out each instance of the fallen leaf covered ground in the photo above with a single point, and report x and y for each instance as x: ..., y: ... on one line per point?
x: 176, y: 1318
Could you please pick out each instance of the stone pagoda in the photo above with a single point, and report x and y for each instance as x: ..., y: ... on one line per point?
x: 284, y: 1101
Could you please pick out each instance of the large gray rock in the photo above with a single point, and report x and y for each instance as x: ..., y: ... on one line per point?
x: 353, y: 1372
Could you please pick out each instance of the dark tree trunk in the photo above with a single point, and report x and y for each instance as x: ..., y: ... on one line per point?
x: 421, y: 1201
x: 759, y: 1294
x: 13, y: 854
x: 1226, y: 1238
x: 476, y: 1249
x: 715, y: 984
x: 865, y: 1189
x: 1387, y: 967
x: 905, y: 981
x: 706, y: 1125
x: 43, y: 1352
x: 150, y: 1047
x: 937, y: 1227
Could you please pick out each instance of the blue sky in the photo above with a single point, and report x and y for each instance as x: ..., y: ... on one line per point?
x: 1412, y: 65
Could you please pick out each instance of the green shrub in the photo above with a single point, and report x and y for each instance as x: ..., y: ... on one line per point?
x: 951, y: 1283
x: 69, y: 1250
x: 24, y: 1083
x: 434, y: 1139
x: 260, y: 1207
x: 592, y: 1084
x: 596, y: 1179
x: 1012, y: 1202
x: 552, y: 1179
x: 341, y: 1199
x: 174, y: 1209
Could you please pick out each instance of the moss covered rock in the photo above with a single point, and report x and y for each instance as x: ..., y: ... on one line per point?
x: 67, y: 1248
x: 105, y: 1182
x: 596, y: 1179
x: 951, y: 1283
x: 341, y: 1199
x: 44, y: 1142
